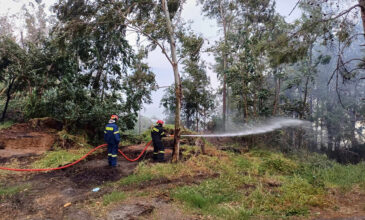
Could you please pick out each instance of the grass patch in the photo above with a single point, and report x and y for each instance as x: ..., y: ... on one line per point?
x: 343, y: 176
x: 320, y: 171
x: 278, y: 165
x: 143, y: 173
x: 259, y: 183
x: 6, y: 192
x: 206, y: 195
x: 6, y: 124
x: 113, y: 197
x: 58, y: 158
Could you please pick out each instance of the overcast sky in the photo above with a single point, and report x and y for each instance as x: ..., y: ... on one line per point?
x: 158, y: 63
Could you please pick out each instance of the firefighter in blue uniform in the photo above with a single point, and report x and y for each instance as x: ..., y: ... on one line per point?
x: 157, y: 133
x: 112, y: 138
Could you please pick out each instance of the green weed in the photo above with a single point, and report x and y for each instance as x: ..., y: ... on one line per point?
x: 113, y: 197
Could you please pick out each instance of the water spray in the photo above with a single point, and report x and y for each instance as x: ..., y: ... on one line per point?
x: 259, y: 128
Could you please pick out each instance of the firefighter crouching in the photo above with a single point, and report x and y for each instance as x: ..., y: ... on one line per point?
x: 157, y: 133
x: 112, y: 138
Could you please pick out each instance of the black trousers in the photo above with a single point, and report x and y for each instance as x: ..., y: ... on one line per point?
x: 158, y: 151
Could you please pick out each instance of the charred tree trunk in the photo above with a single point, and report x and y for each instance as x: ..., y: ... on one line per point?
x: 170, y: 28
x: 8, y: 96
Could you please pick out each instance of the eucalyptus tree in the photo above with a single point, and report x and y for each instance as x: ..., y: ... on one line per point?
x: 248, y: 45
x: 224, y: 12
x: 157, y: 21
x: 198, y: 98
x: 97, y: 30
x: 95, y: 70
x: 340, y: 19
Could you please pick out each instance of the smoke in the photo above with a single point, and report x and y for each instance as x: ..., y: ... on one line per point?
x: 259, y: 127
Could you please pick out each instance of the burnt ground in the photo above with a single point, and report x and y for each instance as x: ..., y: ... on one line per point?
x: 51, y: 190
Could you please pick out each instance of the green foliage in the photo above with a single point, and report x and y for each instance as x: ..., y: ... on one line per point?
x: 113, y: 197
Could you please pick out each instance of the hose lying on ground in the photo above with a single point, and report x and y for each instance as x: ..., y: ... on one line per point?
x: 77, y: 161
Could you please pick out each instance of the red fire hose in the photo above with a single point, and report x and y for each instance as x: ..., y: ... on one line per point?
x: 77, y: 161
x: 139, y: 156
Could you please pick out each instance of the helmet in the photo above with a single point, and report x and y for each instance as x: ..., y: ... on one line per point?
x: 114, y: 117
x: 160, y: 122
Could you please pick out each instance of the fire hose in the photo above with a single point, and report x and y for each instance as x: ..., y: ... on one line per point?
x: 77, y: 161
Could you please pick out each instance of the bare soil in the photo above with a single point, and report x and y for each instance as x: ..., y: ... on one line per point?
x: 32, y: 138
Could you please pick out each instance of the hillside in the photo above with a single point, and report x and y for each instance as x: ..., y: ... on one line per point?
x: 250, y: 184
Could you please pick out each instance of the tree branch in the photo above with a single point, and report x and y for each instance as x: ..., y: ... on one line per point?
x: 343, y: 13
x: 295, y: 7
x: 139, y: 30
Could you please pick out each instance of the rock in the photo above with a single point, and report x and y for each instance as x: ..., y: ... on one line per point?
x: 78, y: 214
x: 131, y: 211
x: 68, y: 191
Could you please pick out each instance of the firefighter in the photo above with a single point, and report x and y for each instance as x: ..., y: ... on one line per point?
x: 157, y: 133
x: 112, y: 138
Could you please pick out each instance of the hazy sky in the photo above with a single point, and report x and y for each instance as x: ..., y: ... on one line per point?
x: 158, y: 63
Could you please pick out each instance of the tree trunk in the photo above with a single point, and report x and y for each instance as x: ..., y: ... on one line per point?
x: 362, y: 9
x: 224, y: 92
x: 96, y: 83
x: 277, y: 95
x: 8, y: 96
x: 175, y: 156
x: 224, y: 22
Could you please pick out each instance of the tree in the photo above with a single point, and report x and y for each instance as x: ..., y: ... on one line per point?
x: 197, y: 101
x: 13, y: 65
x: 224, y: 12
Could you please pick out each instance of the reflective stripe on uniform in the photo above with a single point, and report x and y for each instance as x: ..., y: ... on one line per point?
x: 105, y: 132
x: 114, y: 155
x: 116, y: 132
x: 162, y: 133
x: 161, y: 152
x: 155, y: 152
x: 110, y: 155
x: 155, y: 129
x: 109, y: 128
